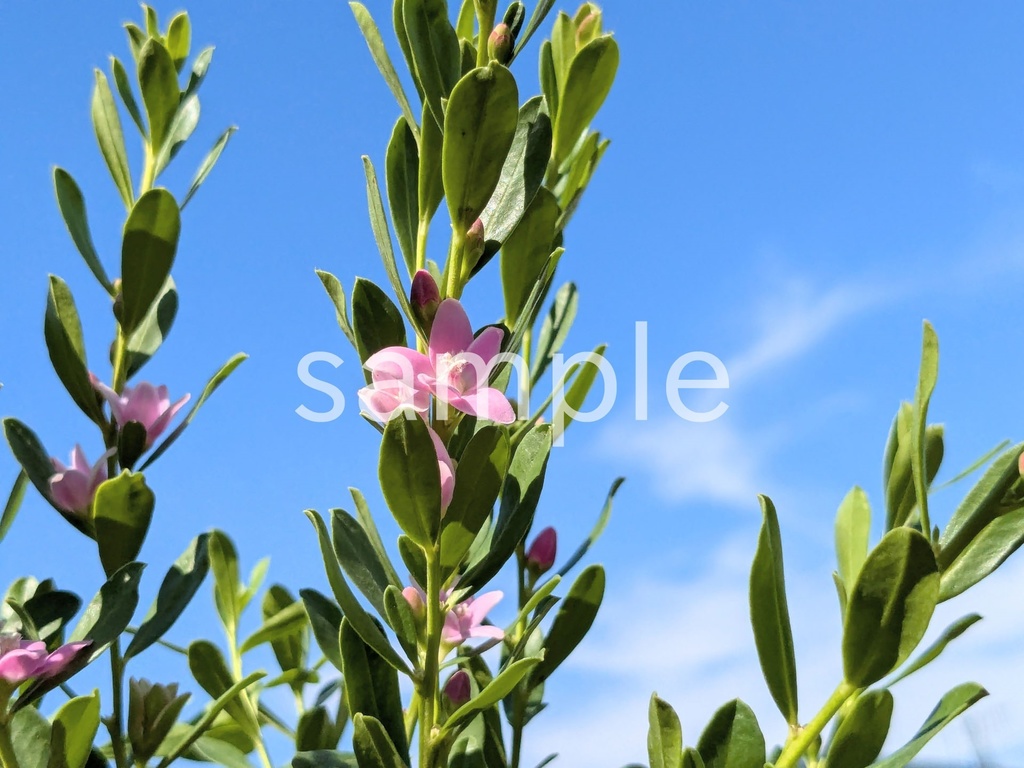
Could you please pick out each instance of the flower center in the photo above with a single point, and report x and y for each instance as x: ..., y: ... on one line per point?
x: 454, y: 371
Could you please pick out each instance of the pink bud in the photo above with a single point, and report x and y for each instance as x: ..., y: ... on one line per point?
x: 73, y: 487
x: 424, y: 297
x: 501, y: 44
x: 541, y: 554
x: 458, y: 689
x: 1020, y: 465
x: 414, y: 597
x: 476, y: 243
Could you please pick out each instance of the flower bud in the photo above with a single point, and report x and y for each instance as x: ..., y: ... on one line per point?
x: 1020, y: 465
x: 588, y: 24
x: 152, y: 712
x: 425, y: 298
x: 458, y: 689
x: 476, y: 243
x: 541, y: 554
x: 501, y: 44
x: 415, y: 600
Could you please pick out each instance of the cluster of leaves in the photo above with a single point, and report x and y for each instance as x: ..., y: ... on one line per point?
x: 512, y: 175
x: 887, y: 595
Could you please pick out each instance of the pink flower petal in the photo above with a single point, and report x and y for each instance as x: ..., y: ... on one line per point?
x: 488, y: 344
x: 451, y: 332
x: 486, y: 630
x: 401, y: 363
x: 487, y: 403
x: 481, y: 605
x: 57, y: 661
x: 23, y: 663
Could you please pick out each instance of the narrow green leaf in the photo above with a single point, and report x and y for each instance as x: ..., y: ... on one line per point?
x: 989, y: 549
x: 410, y: 478
x: 325, y: 620
x: 587, y: 84
x: 955, y: 702
x: 540, y: 12
x: 365, y: 518
x: 525, y: 252
x: 555, y: 328
x: 495, y: 691
x: 951, y: 633
x: 372, y: 745
x: 179, y: 39
x: 35, y: 461
x: 210, y: 670
x: 596, y: 531
x: 122, y: 511
x: 402, y: 170
x: 147, y: 252
x: 575, y: 616
x: 72, y: 210
x: 433, y: 47
x: 977, y: 464
x: 853, y: 528
x: 380, y: 57
x: 861, y: 734
x: 376, y: 321
x: 573, y: 399
x: 769, y: 616
x: 400, y: 618
x: 13, y: 504
x: 110, y: 611
x: 925, y: 386
x: 732, y: 739
x: 211, y: 386
x: 184, y: 122
x: 154, y: 328
x: 336, y: 293
x: 30, y: 737
x: 124, y: 90
x: 73, y: 730
x: 359, y: 559
x: 209, y: 161
x: 359, y: 619
x: 66, y: 347
x: 179, y: 586
x: 889, y: 606
x: 324, y: 758
x: 200, y: 68
x: 664, y: 735
x: 479, y: 126
x: 158, y: 81
x: 107, y: 125
x: 430, y: 185
x: 290, y: 647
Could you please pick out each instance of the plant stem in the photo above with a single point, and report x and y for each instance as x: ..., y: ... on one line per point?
x: 485, y: 20
x: 430, y: 693
x: 7, y: 756
x: 148, y: 171
x: 421, y: 243
x: 117, y: 698
x: 797, y: 746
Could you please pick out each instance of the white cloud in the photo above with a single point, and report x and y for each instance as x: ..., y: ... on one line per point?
x: 690, y: 641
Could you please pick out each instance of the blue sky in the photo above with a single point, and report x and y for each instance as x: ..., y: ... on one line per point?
x: 791, y: 187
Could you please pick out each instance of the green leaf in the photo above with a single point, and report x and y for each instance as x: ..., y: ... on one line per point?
x: 587, y: 84
x: 433, y: 47
x: 540, y: 12
x: 951, y: 633
x: 525, y: 252
x: 380, y: 57
x: 861, y: 734
x: 211, y: 386
x: 147, y: 253
x: 208, y: 162
x: 107, y: 125
x: 35, y: 461
x: 949, y: 707
x: 889, y: 606
x: 430, y: 184
x: 323, y: 758
x: 359, y: 559
x: 290, y: 647
x: 158, y: 81
x: 72, y: 210
x: 124, y: 90
x: 153, y: 329
x: 853, y: 529
x: 210, y: 670
x: 402, y: 173
x: 413, y: 558
x: 925, y: 386
x: 400, y: 618
x: 359, y: 619
x: 478, y: 480
x: 732, y: 739
x: 179, y: 586
x: 479, y: 126
x: 200, y: 68
x: 596, y: 531
x: 521, y: 174
x: 977, y: 464
x: 365, y: 518
x: 692, y: 758
x: 185, y: 120
x: 13, y: 504
x: 227, y: 583
x: 664, y: 735
x: 500, y: 687
x: 110, y: 611
x: 314, y: 731
x: 30, y: 737
x: 567, y: 406
x: 131, y: 444
x: 379, y: 224
x: 179, y: 39
x: 555, y: 328
x: 63, y: 332
x: 49, y: 613
x: 769, y: 616
x: 898, y: 475
x: 202, y: 725
x: 73, y: 730
x: 336, y: 293
x: 376, y: 321
x: 325, y: 620
x: 122, y: 512
x: 983, y: 504
x: 371, y: 687
x: 288, y: 621
x: 519, y: 497
x: 372, y: 745
x: 410, y: 478
x: 575, y: 616
x: 989, y: 549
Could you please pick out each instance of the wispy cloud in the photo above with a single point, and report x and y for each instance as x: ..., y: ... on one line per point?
x: 690, y: 641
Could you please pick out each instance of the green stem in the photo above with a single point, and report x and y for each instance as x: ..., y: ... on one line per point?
x: 421, y: 243
x: 7, y: 756
x: 430, y: 686
x: 518, y: 709
x: 114, y: 724
x: 485, y: 20
x: 797, y: 746
x: 411, y: 716
x: 148, y: 171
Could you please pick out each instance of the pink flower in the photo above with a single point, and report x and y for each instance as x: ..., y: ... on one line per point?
x: 465, y: 620
x: 22, y: 660
x: 541, y: 554
x: 148, y: 405
x: 73, y: 488
x: 447, y: 470
x: 455, y: 370
x: 457, y: 688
